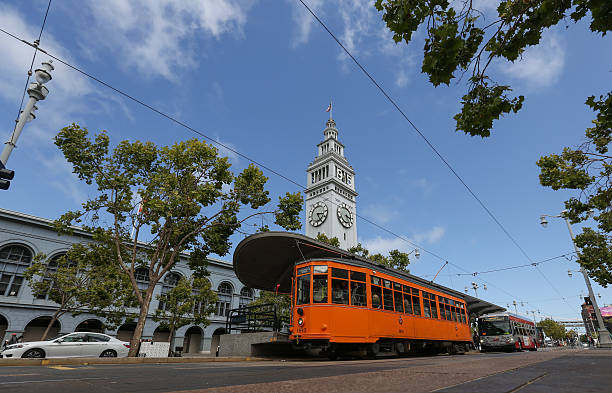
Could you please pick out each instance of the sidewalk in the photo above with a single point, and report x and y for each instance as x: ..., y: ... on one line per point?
x: 138, y: 360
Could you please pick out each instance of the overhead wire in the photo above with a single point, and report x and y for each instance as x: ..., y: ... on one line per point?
x: 229, y: 148
x: 418, y: 131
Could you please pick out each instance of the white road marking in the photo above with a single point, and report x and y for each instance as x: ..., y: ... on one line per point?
x: 47, y: 380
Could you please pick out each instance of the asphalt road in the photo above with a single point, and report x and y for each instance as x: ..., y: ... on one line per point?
x: 551, y: 371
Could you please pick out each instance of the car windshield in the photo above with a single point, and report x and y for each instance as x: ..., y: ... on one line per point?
x: 493, y: 327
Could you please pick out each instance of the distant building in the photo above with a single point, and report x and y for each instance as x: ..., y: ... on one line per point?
x: 331, y: 206
x: 23, y: 236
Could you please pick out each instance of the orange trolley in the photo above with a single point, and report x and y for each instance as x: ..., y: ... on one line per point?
x: 346, y: 305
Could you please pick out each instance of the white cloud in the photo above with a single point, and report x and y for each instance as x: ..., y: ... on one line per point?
x: 362, y: 32
x: 384, y: 245
x: 379, y: 213
x: 61, y: 177
x: 303, y: 20
x: 430, y: 237
x: 540, y: 65
x: 158, y: 37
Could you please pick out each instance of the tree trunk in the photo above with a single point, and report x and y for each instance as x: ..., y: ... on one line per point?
x: 142, y: 318
x: 171, y: 340
x: 50, y: 325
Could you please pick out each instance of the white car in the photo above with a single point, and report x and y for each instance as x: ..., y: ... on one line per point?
x: 81, y: 344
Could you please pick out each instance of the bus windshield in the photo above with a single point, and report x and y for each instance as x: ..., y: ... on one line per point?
x: 493, y: 326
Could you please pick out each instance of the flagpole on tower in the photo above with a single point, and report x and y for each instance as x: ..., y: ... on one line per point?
x: 331, y: 109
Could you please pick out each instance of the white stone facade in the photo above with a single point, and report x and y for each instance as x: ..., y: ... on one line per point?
x: 331, y: 206
x: 19, y: 308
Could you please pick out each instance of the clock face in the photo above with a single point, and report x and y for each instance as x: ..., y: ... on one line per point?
x: 318, y: 214
x: 345, y: 216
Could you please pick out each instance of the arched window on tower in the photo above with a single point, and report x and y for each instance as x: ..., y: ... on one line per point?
x: 225, y: 292
x: 14, y: 260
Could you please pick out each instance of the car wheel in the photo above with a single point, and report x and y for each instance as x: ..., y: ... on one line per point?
x: 34, y: 354
x: 109, y: 353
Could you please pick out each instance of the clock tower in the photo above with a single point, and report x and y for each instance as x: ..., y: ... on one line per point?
x: 330, y: 194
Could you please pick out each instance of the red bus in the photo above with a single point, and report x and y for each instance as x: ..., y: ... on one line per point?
x: 506, y: 331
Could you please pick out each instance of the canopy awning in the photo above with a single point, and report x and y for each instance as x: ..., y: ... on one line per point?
x: 265, y: 261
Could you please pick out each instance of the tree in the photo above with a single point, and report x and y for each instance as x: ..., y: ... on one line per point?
x: 190, y: 201
x: 588, y: 169
x: 553, y: 329
x: 191, y: 301
x: 459, y: 41
x: 395, y: 260
x: 282, y: 302
x: 332, y: 241
x: 77, y: 285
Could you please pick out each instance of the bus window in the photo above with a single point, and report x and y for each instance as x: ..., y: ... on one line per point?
x: 303, y: 289
x: 376, y: 296
x: 319, y: 288
x: 416, y: 303
x: 340, y: 290
x: 407, y: 304
x: 387, y: 298
x: 358, y: 293
x: 399, y: 307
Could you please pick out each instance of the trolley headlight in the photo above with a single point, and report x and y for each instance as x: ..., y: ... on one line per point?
x: 300, y: 322
x: 481, y: 340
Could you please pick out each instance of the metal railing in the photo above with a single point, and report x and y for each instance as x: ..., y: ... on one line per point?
x: 259, y: 318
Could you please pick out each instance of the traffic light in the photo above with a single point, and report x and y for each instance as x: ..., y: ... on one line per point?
x: 5, y: 176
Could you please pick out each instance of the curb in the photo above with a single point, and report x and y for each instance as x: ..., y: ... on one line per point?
x: 89, y: 361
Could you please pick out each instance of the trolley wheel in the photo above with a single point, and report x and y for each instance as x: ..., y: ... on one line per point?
x: 452, y: 350
x: 333, y: 356
x: 373, y: 350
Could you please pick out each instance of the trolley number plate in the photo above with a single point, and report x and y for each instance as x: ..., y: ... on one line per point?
x: 302, y: 330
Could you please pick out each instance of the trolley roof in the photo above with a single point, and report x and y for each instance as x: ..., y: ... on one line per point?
x: 266, y: 260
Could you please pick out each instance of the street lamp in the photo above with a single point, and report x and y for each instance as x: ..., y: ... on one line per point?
x: 37, y: 92
x: 604, y: 335
x: 515, y: 309
x: 475, y: 287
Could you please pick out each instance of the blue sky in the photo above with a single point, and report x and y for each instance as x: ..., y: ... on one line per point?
x: 258, y: 75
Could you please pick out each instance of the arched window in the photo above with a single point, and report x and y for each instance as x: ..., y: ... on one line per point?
x: 52, y: 268
x: 246, y: 296
x: 141, y: 274
x: 224, y: 303
x: 14, y: 259
x: 170, y: 281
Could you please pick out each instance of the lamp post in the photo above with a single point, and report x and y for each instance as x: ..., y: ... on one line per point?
x: 604, y: 335
x: 37, y: 92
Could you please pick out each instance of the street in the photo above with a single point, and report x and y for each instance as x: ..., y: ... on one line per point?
x: 543, y: 371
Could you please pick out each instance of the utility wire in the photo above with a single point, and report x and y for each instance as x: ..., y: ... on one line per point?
x: 431, y: 146
x: 534, y: 264
x: 211, y: 140
x: 36, y: 43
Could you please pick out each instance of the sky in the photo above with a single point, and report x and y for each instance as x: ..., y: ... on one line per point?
x: 257, y: 76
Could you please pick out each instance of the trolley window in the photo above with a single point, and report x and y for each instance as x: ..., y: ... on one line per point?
x: 320, y: 269
x: 339, y: 273
x: 358, y: 276
x: 319, y: 286
x: 376, y: 295
x: 399, y: 307
x: 358, y: 294
x: 407, y: 303
x: 416, y: 303
x: 303, y: 270
x: 426, y: 307
x: 340, y: 290
x: 388, y: 298
x: 303, y: 289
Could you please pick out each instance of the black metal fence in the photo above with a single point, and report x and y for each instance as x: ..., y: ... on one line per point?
x: 259, y: 318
